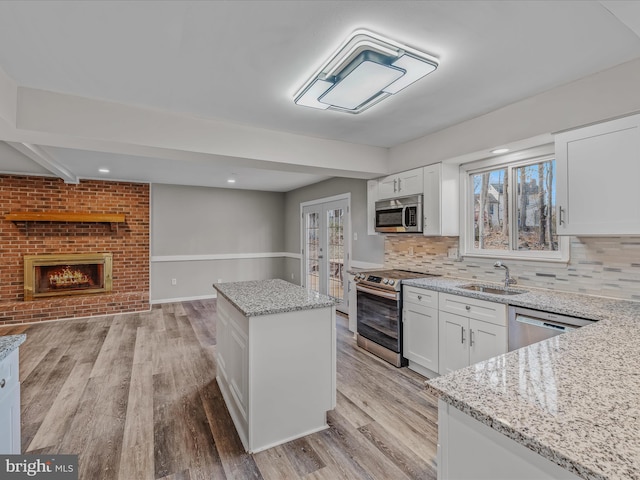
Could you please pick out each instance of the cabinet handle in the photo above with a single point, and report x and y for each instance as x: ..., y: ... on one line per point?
x: 399, y: 184
x: 3, y: 382
x: 394, y: 185
x: 468, y: 307
x: 462, y: 334
x: 470, y: 338
x: 560, y: 220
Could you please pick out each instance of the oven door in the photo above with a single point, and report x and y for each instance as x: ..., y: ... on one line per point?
x: 379, y: 316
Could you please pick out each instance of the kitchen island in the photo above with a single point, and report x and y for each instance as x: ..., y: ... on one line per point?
x: 10, y: 394
x: 276, y: 360
x: 564, y: 408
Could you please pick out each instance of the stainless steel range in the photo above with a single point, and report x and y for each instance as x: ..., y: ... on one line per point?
x: 380, y: 312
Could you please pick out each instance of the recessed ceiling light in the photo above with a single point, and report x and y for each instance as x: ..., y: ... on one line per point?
x: 366, y: 69
x: 231, y: 179
x: 103, y: 170
x: 500, y: 150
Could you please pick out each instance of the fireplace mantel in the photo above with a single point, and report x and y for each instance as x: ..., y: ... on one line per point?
x: 65, y: 217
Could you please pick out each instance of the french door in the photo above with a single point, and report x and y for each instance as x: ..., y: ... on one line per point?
x: 325, y: 247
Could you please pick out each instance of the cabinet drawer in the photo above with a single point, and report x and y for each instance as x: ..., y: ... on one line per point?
x: 8, y: 373
x: 420, y: 296
x: 491, y: 312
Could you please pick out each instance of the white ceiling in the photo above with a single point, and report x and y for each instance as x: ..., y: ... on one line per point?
x: 240, y: 62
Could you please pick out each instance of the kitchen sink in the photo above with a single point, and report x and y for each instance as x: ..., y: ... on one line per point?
x: 493, y: 289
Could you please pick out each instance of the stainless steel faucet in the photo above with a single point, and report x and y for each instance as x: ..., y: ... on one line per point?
x: 507, y: 279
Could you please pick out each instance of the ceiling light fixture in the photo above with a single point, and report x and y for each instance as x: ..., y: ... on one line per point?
x: 103, y: 170
x: 232, y: 179
x: 366, y: 69
x: 500, y: 150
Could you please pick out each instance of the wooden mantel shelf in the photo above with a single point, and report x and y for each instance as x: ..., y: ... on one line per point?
x: 64, y: 217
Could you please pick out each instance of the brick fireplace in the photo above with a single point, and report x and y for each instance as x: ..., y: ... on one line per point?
x: 78, y: 284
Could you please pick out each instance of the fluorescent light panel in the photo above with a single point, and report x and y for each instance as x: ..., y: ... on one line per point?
x: 366, y: 69
x: 365, y: 82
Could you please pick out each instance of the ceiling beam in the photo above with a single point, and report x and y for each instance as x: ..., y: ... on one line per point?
x: 45, y: 160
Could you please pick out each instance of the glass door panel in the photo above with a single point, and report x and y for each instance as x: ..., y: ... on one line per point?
x: 325, y: 249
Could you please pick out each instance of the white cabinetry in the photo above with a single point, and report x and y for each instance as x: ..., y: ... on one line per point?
x: 471, y: 330
x: 353, y: 303
x: 441, y: 200
x: 9, y: 405
x: 276, y: 372
x: 372, y: 197
x: 420, y: 330
x: 597, y: 179
x: 470, y: 449
x: 401, y: 184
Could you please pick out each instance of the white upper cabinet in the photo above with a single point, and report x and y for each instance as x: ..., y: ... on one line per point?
x: 372, y: 197
x: 441, y: 200
x: 598, y: 168
x: 401, y: 184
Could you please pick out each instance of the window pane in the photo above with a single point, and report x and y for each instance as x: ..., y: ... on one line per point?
x: 536, y: 201
x: 491, y: 212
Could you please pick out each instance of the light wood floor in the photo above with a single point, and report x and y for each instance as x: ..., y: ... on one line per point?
x: 135, y: 397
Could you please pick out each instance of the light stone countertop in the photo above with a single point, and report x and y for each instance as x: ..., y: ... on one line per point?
x: 9, y: 343
x: 265, y: 297
x: 574, y: 399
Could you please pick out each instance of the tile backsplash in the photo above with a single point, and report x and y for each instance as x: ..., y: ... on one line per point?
x: 604, y: 266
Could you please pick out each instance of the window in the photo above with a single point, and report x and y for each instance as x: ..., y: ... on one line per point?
x: 511, y: 210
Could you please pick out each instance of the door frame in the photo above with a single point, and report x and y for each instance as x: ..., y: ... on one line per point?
x: 347, y: 235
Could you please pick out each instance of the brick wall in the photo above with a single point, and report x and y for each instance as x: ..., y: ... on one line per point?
x: 128, y: 242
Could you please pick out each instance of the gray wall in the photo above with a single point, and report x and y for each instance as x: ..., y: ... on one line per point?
x: 368, y: 248
x: 198, y: 222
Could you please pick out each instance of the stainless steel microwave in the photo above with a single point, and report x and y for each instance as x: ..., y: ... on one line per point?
x: 399, y: 215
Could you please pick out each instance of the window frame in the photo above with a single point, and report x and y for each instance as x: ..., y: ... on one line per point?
x: 511, y: 162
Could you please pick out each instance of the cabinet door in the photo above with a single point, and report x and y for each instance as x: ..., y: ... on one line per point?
x: 431, y: 203
x: 453, y: 342
x: 388, y: 187
x: 410, y: 182
x: 486, y: 340
x: 597, y: 172
x: 372, y: 197
x: 238, y: 367
x: 10, y: 422
x: 420, y: 335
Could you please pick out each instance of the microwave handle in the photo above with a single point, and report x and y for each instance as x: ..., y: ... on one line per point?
x: 404, y: 216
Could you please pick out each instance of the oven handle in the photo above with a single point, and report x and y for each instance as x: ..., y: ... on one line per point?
x: 378, y: 293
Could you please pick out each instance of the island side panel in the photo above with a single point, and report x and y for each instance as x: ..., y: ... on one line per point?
x: 468, y: 449
x: 232, y: 369
x: 292, y: 375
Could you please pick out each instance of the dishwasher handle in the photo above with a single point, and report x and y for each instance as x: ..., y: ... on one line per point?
x: 559, y: 327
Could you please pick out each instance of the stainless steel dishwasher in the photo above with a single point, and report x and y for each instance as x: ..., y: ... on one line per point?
x: 527, y: 326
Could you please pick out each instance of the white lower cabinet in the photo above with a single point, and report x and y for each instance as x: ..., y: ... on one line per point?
x: 420, y: 330
x: 353, y: 303
x: 276, y: 372
x: 470, y: 331
x: 470, y: 449
x: 9, y: 405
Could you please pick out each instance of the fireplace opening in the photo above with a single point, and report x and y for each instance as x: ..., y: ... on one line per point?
x: 71, y: 274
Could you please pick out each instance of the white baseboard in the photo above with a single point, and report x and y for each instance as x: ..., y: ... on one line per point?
x: 182, y: 299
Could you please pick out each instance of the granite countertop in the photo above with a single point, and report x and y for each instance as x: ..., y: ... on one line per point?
x: 266, y: 297
x: 574, y: 399
x: 9, y: 343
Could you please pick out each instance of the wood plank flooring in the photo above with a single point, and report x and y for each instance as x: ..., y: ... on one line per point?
x: 135, y: 397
